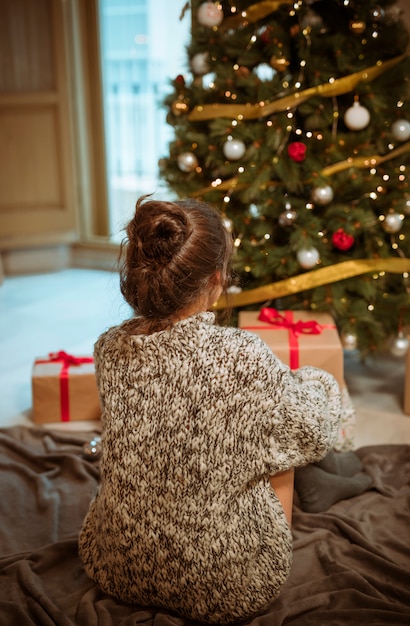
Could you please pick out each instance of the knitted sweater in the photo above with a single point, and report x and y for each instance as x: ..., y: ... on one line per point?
x: 195, y: 419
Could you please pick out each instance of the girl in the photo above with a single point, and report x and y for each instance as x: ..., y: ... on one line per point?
x: 202, y: 428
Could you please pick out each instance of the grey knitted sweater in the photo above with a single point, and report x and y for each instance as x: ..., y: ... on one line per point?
x: 195, y: 419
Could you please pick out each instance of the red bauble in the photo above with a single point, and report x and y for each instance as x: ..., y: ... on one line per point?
x: 180, y: 81
x: 342, y: 240
x: 297, y: 151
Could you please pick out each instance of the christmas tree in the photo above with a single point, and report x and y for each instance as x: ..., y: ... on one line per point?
x: 293, y: 119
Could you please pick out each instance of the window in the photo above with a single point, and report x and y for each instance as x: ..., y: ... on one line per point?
x: 142, y: 49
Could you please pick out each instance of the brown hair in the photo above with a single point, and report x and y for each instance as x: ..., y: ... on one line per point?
x: 170, y: 253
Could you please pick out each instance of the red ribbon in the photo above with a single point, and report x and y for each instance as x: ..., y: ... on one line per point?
x: 66, y: 360
x: 284, y: 320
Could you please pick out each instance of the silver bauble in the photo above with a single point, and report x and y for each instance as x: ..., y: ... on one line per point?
x: 200, y: 63
x: 357, y: 117
x: 210, y: 14
x: 406, y: 204
x: 401, y: 130
x: 322, y: 195
x: 392, y: 223
x: 400, y: 345
x: 234, y: 149
x: 308, y: 257
x: 187, y: 161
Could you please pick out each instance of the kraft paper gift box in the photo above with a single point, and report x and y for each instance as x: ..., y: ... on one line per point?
x: 301, y: 338
x: 64, y: 389
x: 298, y: 338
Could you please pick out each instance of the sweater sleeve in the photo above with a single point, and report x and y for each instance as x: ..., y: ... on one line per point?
x: 298, y: 413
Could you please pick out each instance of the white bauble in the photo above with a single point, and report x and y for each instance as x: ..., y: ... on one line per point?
x: 322, y: 195
x: 199, y: 63
x: 401, y: 130
x: 210, y: 14
x: 357, y: 117
x: 234, y: 149
x: 400, y: 345
x: 308, y: 257
x: 392, y: 223
x: 349, y: 341
x: 406, y: 204
x: 187, y: 161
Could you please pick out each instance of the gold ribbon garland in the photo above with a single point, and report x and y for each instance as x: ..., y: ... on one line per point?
x: 253, y: 13
x: 367, y: 161
x: 254, y: 111
x: 315, y: 278
x: 359, y: 162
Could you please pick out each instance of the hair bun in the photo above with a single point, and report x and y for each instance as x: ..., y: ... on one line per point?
x: 160, y: 235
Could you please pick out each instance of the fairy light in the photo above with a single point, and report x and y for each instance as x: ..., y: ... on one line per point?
x: 241, y: 169
x: 386, y: 177
x: 373, y: 195
x: 234, y: 122
x: 237, y: 242
x: 298, y: 131
x: 216, y: 182
x: 373, y: 171
x: 227, y: 199
x: 370, y: 307
x: 309, y: 134
x: 375, y: 34
x: 266, y: 236
x: 399, y: 104
x: 395, y: 246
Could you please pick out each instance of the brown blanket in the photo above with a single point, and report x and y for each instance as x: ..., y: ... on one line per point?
x: 351, y: 564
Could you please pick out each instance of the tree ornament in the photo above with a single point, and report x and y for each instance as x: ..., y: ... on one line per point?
x: 308, y: 257
x: 199, y: 63
x: 234, y: 149
x: 400, y: 345
x: 322, y: 195
x: 406, y: 204
x: 342, y: 240
x: 401, y: 130
x: 357, y: 117
x: 180, y: 82
x: 357, y: 27
x: 287, y: 218
x: 349, y: 341
x: 297, y: 151
x: 279, y: 63
x: 187, y: 161
x: 392, y: 222
x: 210, y: 14
x: 92, y: 449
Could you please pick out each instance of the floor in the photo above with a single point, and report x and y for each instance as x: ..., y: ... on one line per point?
x: 67, y: 310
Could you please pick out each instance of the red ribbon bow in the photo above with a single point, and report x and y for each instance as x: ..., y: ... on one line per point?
x: 66, y: 360
x: 285, y: 320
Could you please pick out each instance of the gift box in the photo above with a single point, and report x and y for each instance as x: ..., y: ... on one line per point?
x: 64, y: 389
x: 298, y: 338
x: 301, y: 338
